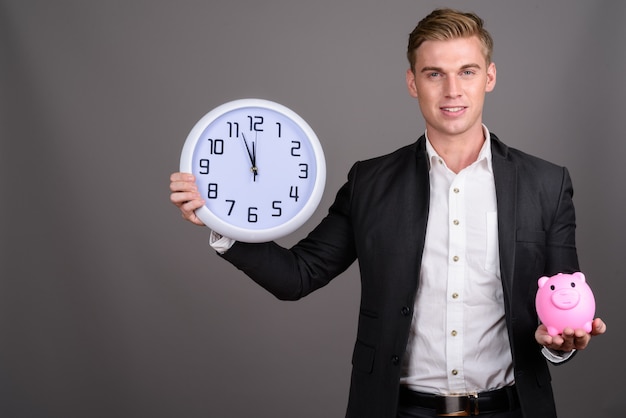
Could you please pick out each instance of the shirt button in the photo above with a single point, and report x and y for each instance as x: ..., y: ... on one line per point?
x: 454, y: 333
x: 405, y: 311
x: 455, y: 295
x: 455, y: 372
x: 456, y: 190
x: 395, y: 360
x: 456, y: 222
x: 455, y: 258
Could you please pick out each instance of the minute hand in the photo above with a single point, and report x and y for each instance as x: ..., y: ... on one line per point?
x: 252, y: 155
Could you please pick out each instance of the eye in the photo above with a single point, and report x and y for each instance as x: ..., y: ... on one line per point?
x: 551, y: 287
x: 573, y: 284
x: 434, y: 74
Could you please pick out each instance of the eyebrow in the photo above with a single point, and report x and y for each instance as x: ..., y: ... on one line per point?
x: 440, y: 70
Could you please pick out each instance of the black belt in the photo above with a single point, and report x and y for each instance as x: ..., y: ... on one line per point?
x: 499, y: 400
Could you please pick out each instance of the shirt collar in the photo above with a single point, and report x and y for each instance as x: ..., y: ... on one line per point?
x: 483, y: 155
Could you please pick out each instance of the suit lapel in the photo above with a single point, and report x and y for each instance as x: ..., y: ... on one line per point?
x: 414, y: 197
x: 505, y: 176
x: 423, y: 193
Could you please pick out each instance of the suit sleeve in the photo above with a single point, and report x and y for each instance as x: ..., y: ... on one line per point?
x: 290, y: 274
x: 561, y: 241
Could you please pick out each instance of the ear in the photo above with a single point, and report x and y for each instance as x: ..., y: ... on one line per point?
x: 579, y: 276
x: 543, y: 280
x: 491, y: 77
x: 410, y: 83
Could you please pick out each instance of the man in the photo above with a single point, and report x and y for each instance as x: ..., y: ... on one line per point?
x: 451, y: 234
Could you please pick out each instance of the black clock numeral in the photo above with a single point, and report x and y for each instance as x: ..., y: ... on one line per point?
x: 304, y: 171
x: 212, y: 192
x: 255, y: 123
x: 232, y: 205
x: 296, y: 148
x: 216, y: 146
x: 277, y: 208
x: 280, y: 129
x: 204, y: 166
x: 233, y: 127
x: 252, y: 216
x: 293, y: 193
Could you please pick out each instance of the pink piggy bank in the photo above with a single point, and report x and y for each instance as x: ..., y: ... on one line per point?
x: 565, y: 301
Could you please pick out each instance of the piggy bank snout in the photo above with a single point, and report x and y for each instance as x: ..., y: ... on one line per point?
x: 565, y: 298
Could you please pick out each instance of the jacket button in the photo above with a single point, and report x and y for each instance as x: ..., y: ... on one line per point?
x: 395, y: 360
x: 405, y: 311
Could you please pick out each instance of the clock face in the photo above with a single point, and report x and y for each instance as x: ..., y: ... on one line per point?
x: 259, y: 167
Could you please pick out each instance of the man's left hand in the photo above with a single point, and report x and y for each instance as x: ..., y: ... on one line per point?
x: 570, y: 339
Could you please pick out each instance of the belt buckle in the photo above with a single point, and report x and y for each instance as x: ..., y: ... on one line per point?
x: 457, y: 405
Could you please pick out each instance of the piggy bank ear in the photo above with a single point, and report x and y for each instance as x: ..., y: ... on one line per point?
x: 578, y: 275
x: 543, y: 281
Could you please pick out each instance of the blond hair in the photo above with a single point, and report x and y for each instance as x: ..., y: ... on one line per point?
x: 447, y: 24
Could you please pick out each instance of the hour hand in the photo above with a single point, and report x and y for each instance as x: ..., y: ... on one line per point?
x: 252, y: 155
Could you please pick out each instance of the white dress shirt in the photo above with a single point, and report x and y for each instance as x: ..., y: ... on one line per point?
x: 458, y: 341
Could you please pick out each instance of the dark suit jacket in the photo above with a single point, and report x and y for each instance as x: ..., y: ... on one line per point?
x: 379, y: 217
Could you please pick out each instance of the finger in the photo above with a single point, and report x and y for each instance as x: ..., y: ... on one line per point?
x: 188, y: 208
x: 192, y: 205
x: 581, y: 342
x: 542, y: 336
x: 182, y: 182
x: 196, y: 221
x: 183, y: 186
x: 181, y: 198
x: 557, y: 342
x: 188, y: 212
x: 185, y: 177
x: 599, y: 327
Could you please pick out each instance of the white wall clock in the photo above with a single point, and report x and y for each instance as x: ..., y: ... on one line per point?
x: 259, y: 166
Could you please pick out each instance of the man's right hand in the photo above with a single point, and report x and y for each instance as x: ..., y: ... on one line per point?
x: 185, y: 196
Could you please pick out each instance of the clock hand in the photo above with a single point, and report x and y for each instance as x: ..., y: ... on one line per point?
x: 251, y: 155
x: 247, y: 148
x: 255, y: 169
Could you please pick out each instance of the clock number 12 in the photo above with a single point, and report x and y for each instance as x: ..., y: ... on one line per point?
x: 255, y: 123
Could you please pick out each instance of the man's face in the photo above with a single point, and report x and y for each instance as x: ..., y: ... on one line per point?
x: 450, y: 81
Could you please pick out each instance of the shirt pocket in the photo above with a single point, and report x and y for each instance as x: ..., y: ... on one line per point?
x: 492, y: 255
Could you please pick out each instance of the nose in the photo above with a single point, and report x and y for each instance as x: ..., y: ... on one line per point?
x: 453, y: 87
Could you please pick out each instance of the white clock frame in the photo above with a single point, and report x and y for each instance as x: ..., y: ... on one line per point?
x: 252, y: 233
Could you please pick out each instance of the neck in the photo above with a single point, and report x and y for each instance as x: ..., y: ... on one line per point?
x: 459, y: 151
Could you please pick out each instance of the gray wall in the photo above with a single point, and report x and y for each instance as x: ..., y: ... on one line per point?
x: 112, y: 306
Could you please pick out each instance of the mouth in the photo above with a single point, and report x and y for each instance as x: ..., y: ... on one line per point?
x: 456, y: 109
